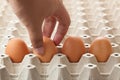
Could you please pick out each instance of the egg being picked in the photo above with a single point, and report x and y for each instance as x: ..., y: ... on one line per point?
x: 73, y: 48
x: 49, y: 50
x: 101, y: 48
x: 16, y: 49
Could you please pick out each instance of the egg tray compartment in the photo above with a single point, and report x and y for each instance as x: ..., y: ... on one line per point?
x: 94, y: 15
x: 60, y: 68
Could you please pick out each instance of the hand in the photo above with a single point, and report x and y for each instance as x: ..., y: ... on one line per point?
x: 32, y: 13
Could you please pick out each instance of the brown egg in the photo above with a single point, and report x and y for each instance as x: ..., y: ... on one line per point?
x: 73, y: 48
x: 16, y: 49
x: 49, y: 50
x: 101, y: 48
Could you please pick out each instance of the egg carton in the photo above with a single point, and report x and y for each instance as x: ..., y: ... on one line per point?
x: 89, y: 19
x: 60, y: 68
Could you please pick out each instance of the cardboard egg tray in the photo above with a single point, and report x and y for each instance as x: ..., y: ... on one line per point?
x: 89, y: 19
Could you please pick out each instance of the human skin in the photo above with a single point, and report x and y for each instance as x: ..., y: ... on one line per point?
x: 32, y: 13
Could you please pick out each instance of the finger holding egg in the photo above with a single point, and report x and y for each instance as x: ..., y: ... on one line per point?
x: 101, y: 48
x: 49, y: 50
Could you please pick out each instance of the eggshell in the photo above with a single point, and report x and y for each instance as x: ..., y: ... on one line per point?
x: 73, y: 48
x: 16, y: 49
x: 101, y: 48
x: 49, y: 50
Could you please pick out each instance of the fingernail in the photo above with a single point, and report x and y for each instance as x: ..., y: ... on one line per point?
x: 39, y: 50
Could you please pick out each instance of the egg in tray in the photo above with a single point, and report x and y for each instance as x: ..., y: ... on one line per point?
x: 89, y: 51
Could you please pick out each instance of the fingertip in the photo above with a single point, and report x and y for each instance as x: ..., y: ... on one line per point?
x: 57, y: 39
x: 39, y: 51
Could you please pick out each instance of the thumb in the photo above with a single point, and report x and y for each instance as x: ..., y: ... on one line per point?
x: 36, y: 37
